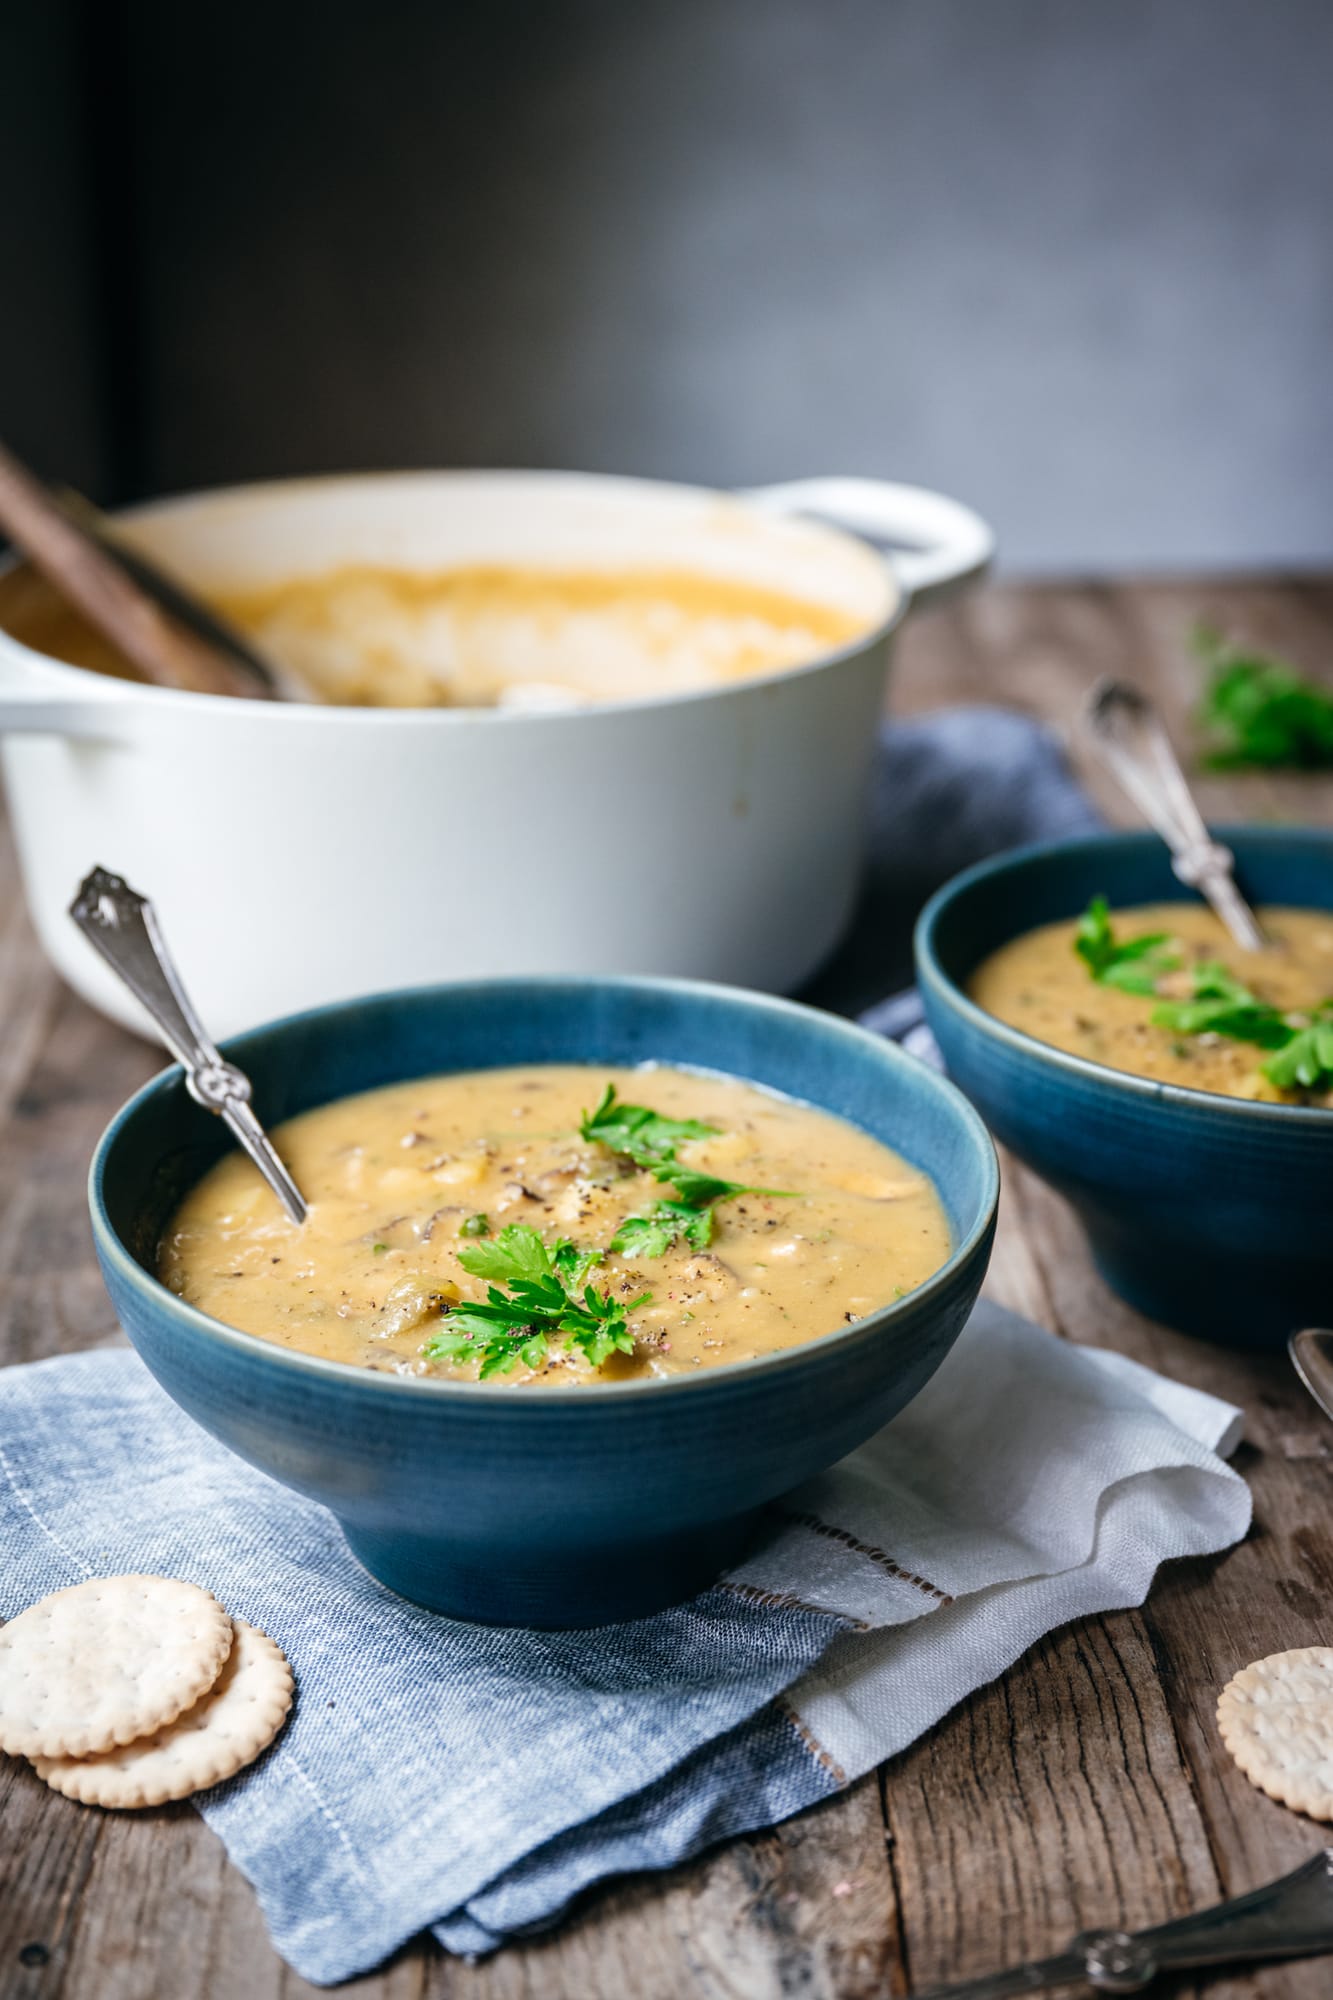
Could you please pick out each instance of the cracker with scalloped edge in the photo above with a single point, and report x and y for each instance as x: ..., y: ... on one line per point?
x: 1276, y: 1719
x: 106, y: 1661
x: 224, y: 1731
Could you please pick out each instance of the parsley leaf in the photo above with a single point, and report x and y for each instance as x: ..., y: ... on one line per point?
x: 543, y: 1305
x: 1258, y: 710
x: 1223, y: 1005
x: 653, y: 1233
x: 1134, y: 966
x: 701, y: 1190
x: 650, y: 1140
x: 1220, y: 1004
x: 641, y: 1134
x: 654, y: 1230
x: 1237, y: 1020
x: 572, y: 1266
x: 1307, y: 1060
x: 516, y: 1256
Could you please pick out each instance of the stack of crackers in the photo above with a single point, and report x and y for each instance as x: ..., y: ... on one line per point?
x: 132, y: 1690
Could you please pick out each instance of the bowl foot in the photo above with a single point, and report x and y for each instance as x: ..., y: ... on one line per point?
x: 1250, y: 1301
x: 552, y: 1588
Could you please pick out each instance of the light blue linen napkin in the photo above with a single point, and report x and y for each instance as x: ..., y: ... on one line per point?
x: 473, y: 1781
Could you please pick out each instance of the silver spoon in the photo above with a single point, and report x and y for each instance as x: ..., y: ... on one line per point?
x: 1311, y: 1352
x: 1127, y: 734
x: 1290, y: 1918
x: 122, y: 925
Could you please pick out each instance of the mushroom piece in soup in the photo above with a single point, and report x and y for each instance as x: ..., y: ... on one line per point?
x: 559, y: 1224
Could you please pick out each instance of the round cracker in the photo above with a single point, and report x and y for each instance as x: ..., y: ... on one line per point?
x: 105, y: 1661
x: 219, y: 1736
x: 1276, y: 1719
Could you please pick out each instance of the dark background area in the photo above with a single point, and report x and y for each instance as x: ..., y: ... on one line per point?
x: 1073, y: 263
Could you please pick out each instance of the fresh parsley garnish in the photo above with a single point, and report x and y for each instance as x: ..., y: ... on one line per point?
x: 1134, y: 966
x: 1224, y: 1005
x: 547, y: 1301
x: 702, y: 1190
x: 644, y: 1136
x: 1307, y: 1060
x: 1258, y: 710
x: 652, y: 1233
x: 640, y: 1134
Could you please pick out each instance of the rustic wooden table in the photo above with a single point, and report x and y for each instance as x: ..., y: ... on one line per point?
x: 1086, y: 1787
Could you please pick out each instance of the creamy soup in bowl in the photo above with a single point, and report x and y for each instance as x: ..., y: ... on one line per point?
x: 556, y: 1224
x: 573, y: 1448
x: 1174, y: 1089
x: 1161, y: 990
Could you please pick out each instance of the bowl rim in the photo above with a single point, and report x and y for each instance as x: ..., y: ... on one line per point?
x: 561, y: 1396
x: 328, y: 715
x: 932, y: 975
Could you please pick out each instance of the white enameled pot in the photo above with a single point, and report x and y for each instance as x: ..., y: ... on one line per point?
x: 300, y: 853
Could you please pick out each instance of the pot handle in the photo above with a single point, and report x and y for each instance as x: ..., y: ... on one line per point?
x: 27, y: 708
x: 934, y: 545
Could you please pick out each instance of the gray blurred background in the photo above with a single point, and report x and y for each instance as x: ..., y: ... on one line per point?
x: 1071, y: 260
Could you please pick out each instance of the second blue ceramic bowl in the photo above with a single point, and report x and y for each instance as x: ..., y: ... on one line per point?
x: 562, y: 1506
x: 1208, y: 1213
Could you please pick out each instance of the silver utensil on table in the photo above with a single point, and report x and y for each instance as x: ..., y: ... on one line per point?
x: 122, y: 925
x: 1289, y: 1918
x: 1128, y: 736
x: 1311, y: 1352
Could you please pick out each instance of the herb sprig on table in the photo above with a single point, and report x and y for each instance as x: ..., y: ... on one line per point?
x: 643, y: 1136
x: 548, y: 1300
x: 1259, y: 711
x: 1219, y: 1003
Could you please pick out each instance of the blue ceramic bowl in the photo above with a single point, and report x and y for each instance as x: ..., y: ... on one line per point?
x: 1209, y: 1213
x: 562, y: 1506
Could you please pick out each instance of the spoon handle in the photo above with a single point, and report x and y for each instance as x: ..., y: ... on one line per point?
x: 1128, y: 735
x: 1311, y: 1351
x: 1289, y: 1918
x: 122, y: 925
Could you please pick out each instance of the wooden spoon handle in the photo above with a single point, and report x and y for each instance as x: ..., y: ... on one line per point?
x: 84, y: 573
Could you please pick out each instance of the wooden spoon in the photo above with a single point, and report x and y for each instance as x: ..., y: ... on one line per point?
x: 91, y: 575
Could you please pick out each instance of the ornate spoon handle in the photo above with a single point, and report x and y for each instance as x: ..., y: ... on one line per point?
x: 1127, y: 734
x: 1289, y: 1918
x: 122, y: 925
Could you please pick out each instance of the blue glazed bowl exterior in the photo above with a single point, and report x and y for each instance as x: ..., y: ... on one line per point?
x: 562, y: 1506
x: 1208, y: 1213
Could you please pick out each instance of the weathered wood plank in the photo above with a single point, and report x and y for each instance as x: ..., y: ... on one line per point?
x: 806, y: 1909
x: 1205, y: 1620
x: 1054, y: 1801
